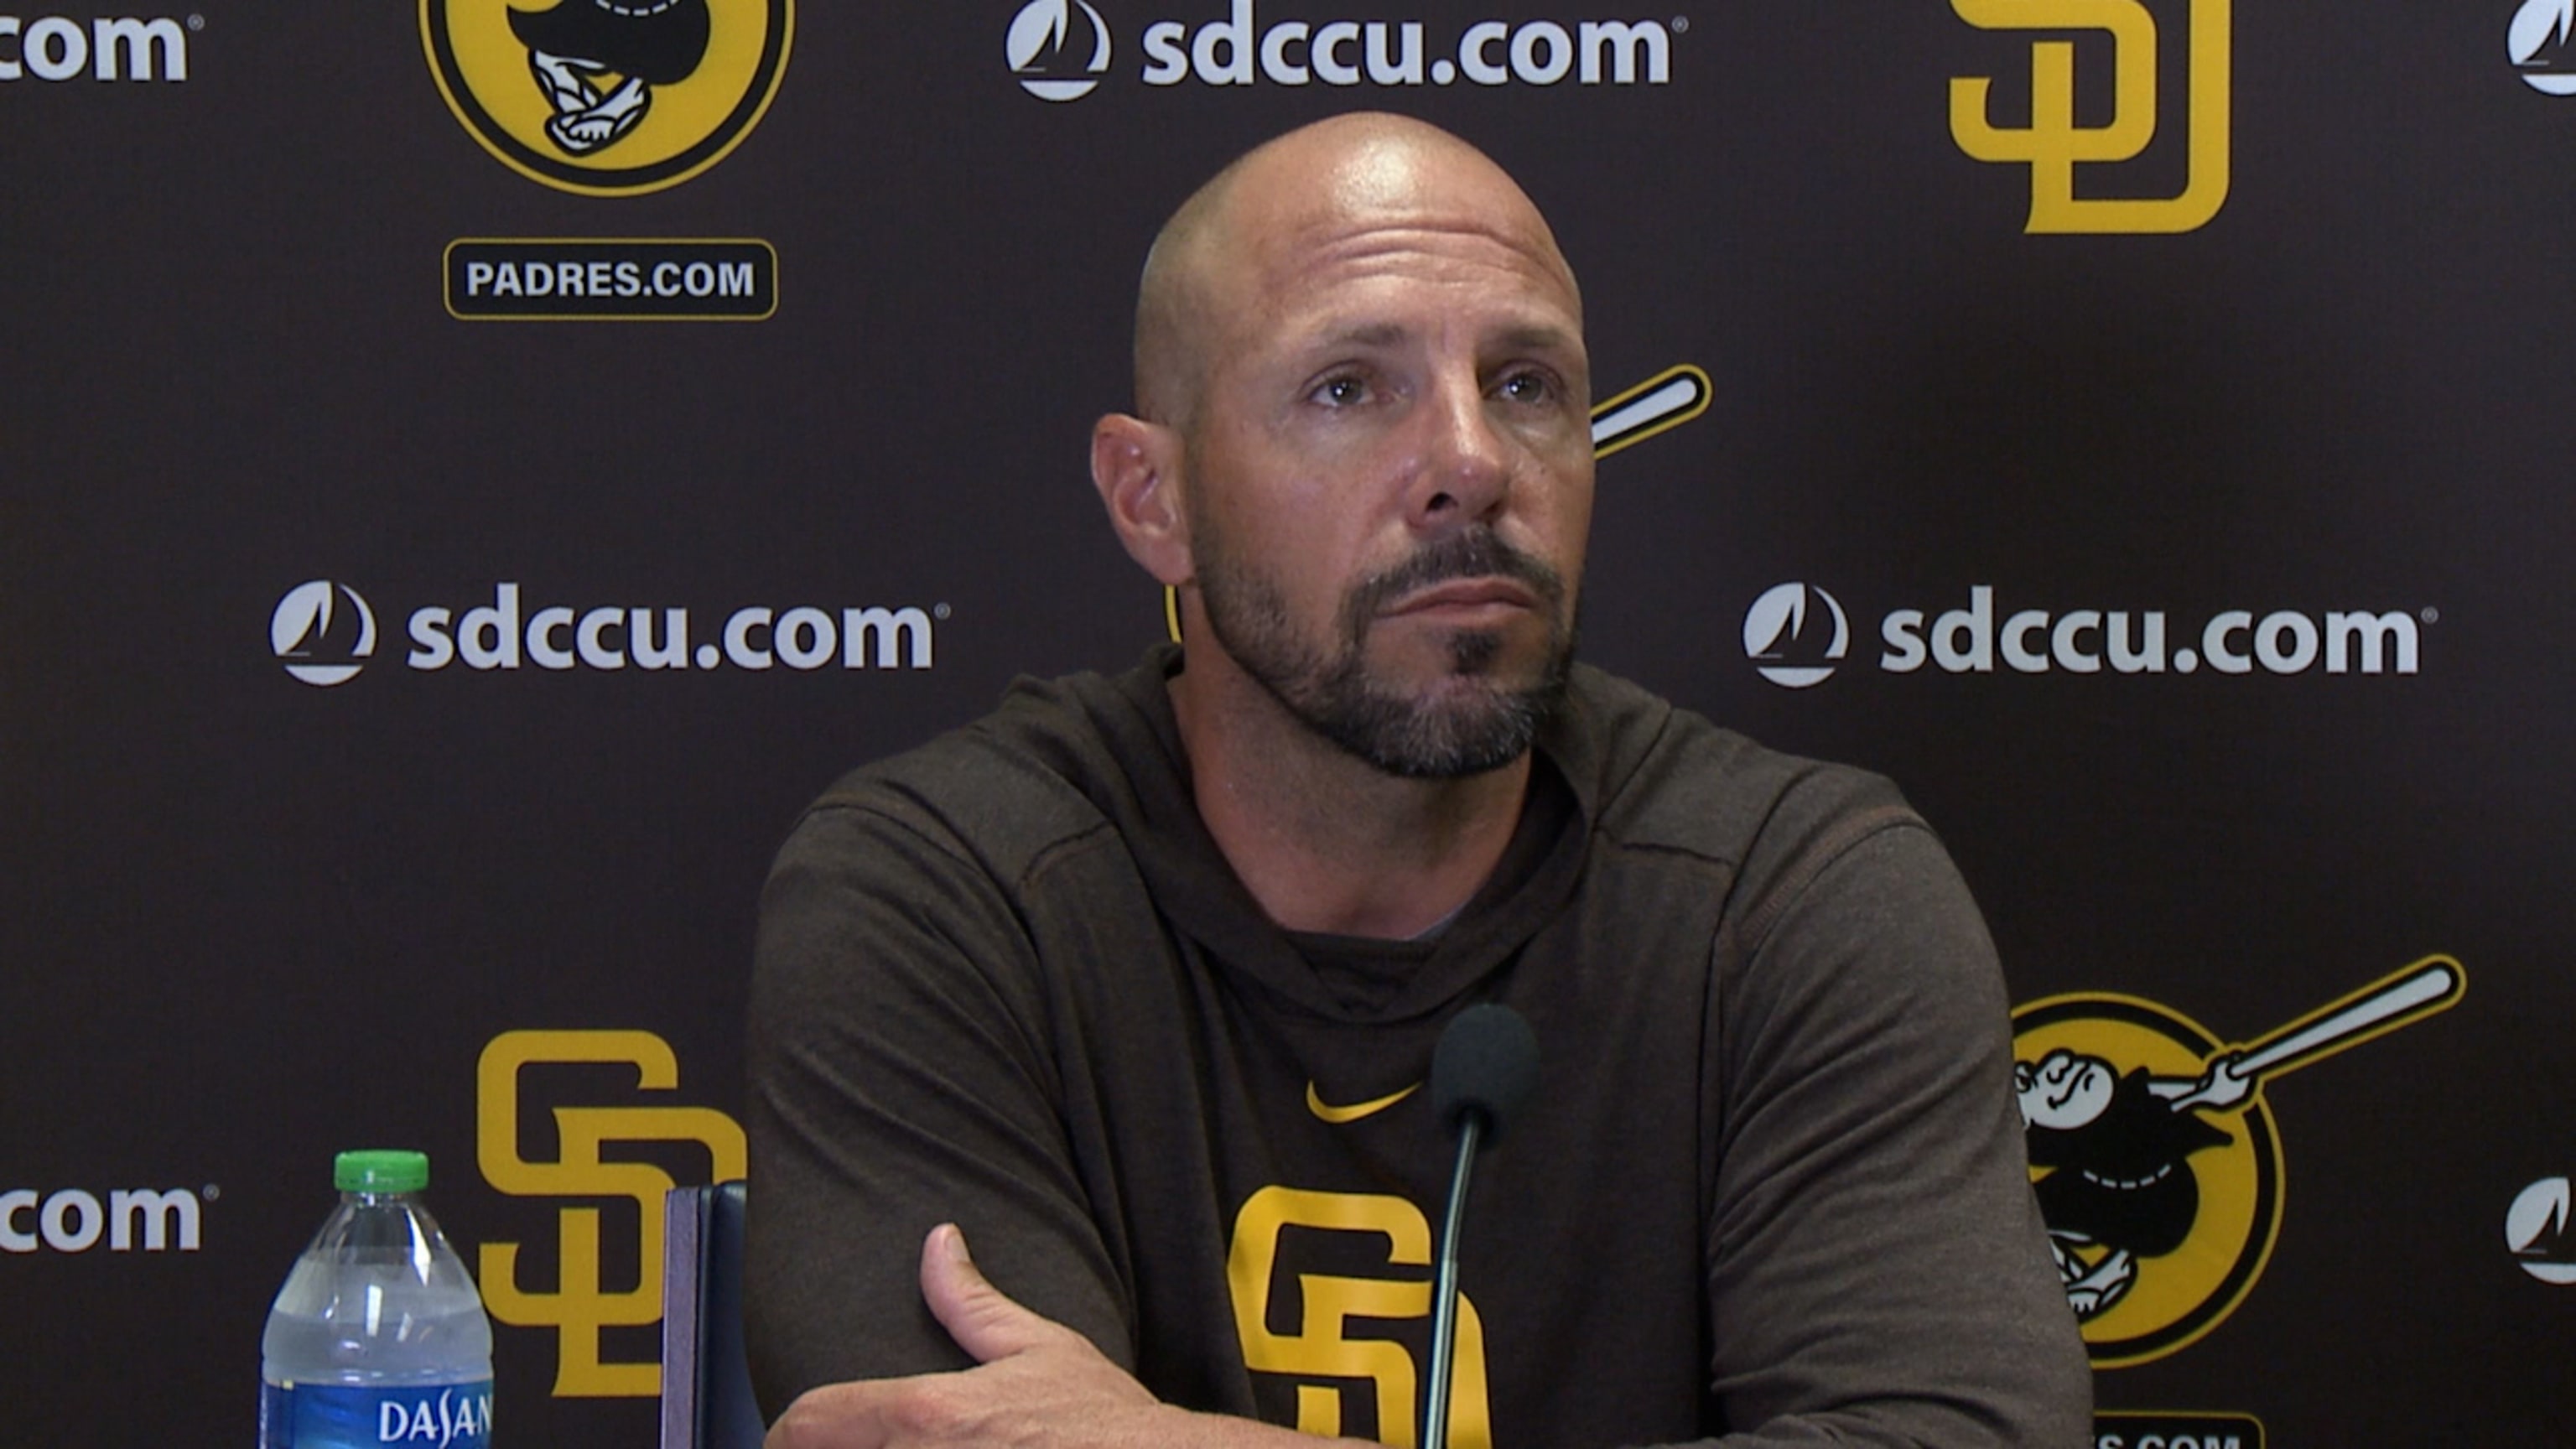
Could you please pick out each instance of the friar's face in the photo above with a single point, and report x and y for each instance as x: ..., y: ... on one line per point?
x: 2064, y: 1091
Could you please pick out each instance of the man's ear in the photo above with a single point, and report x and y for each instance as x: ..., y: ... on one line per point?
x: 1136, y: 465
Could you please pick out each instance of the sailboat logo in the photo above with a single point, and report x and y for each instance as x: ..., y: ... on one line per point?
x: 1038, y: 46
x: 2536, y: 1229
x: 318, y: 642
x: 1782, y: 644
x: 2537, y: 44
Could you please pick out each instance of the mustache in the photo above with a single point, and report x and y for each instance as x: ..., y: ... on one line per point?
x: 1473, y: 553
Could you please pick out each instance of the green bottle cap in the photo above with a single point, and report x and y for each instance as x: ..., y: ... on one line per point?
x: 380, y: 1170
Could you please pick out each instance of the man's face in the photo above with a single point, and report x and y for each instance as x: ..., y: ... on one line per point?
x: 1390, y: 466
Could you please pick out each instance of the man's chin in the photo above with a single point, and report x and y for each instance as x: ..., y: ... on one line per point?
x: 1466, y: 696
x: 1450, y: 726
x: 1455, y: 741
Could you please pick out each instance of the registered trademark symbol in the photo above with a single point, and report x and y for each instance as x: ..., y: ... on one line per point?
x: 1680, y: 24
x: 210, y: 1192
x: 939, y: 611
x: 196, y: 22
x: 2432, y: 615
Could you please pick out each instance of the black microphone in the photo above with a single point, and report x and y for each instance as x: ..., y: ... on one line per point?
x: 1481, y: 1072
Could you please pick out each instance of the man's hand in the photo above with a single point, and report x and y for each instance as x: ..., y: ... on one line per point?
x: 1038, y: 1382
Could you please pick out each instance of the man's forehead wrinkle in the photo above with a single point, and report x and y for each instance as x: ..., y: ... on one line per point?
x: 1396, y: 231
x: 1322, y: 244
x: 1361, y: 326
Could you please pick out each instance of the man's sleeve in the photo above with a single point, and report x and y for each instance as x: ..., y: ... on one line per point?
x: 1878, y: 1269
x: 900, y: 1077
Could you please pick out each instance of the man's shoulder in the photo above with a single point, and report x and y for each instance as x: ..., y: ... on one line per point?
x: 1001, y: 793
x: 1667, y: 778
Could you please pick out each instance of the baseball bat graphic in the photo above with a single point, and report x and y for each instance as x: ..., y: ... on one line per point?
x: 1667, y: 400
x: 2430, y: 985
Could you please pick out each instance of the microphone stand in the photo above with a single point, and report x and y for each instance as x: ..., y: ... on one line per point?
x: 1482, y: 1068
x: 1444, y: 1287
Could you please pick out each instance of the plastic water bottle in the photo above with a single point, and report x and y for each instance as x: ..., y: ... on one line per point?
x: 378, y: 1337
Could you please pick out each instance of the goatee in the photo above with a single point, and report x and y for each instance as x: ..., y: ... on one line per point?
x: 1464, y: 723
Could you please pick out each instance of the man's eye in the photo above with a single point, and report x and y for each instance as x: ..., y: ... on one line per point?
x: 1527, y: 387
x: 1341, y: 392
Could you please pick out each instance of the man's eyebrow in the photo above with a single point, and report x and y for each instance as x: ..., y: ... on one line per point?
x: 1525, y: 337
x: 1539, y: 337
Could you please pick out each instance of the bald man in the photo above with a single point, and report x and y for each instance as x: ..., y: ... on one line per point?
x: 1132, y: 984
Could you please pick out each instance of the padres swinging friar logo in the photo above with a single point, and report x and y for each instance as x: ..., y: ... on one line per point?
x: 608, y: 97
x: 2155, y: 1158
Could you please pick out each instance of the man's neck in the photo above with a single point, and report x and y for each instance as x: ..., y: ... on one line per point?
x: 1324, y: 840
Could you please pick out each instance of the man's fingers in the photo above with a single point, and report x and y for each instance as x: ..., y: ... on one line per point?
x: 985, y: 1322
x: 835, y: 1416
x: 1016, y: 1394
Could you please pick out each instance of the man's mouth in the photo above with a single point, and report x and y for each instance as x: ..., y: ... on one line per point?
x: 1464, y: 596
x: 1468, y: 579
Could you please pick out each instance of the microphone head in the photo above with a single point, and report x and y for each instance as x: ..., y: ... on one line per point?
x: 1486, y: 1061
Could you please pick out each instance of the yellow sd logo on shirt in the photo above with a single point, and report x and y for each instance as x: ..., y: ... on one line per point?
x: 608, y: 97
x: 1325, y: 1331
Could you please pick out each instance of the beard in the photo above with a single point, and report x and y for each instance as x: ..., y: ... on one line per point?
x: 1466, y: 722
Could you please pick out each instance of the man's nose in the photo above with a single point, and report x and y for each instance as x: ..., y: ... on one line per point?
x: 1464, y: 475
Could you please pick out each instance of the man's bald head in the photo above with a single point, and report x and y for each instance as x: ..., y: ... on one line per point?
x: 1206, y: 259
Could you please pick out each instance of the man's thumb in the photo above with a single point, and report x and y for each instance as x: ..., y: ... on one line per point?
x: 985, y: 1322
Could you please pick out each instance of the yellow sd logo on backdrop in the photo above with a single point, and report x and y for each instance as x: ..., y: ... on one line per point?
x: 579, y: 1307
x: 608, y: 97
x: 2052, y: 145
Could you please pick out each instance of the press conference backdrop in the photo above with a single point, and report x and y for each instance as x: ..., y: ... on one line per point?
x: 468, y: 478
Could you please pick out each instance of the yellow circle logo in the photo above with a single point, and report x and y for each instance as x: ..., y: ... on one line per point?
x: 2154, y: 1157
x: 2162, y: 1197
x: 608, y: 97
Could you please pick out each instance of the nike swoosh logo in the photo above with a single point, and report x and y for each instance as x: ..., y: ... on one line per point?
x: 1316, y: 1104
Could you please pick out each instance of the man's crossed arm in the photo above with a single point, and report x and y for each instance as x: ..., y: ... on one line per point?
x: 1035, y: 1383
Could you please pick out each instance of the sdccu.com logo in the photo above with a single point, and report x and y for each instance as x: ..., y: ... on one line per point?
x: 324, y: 633
x: 111, y: 48
x: 1061, y: 50
x: 124, y: 1220
x: 1798, y: 635
x: 608, y: 97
